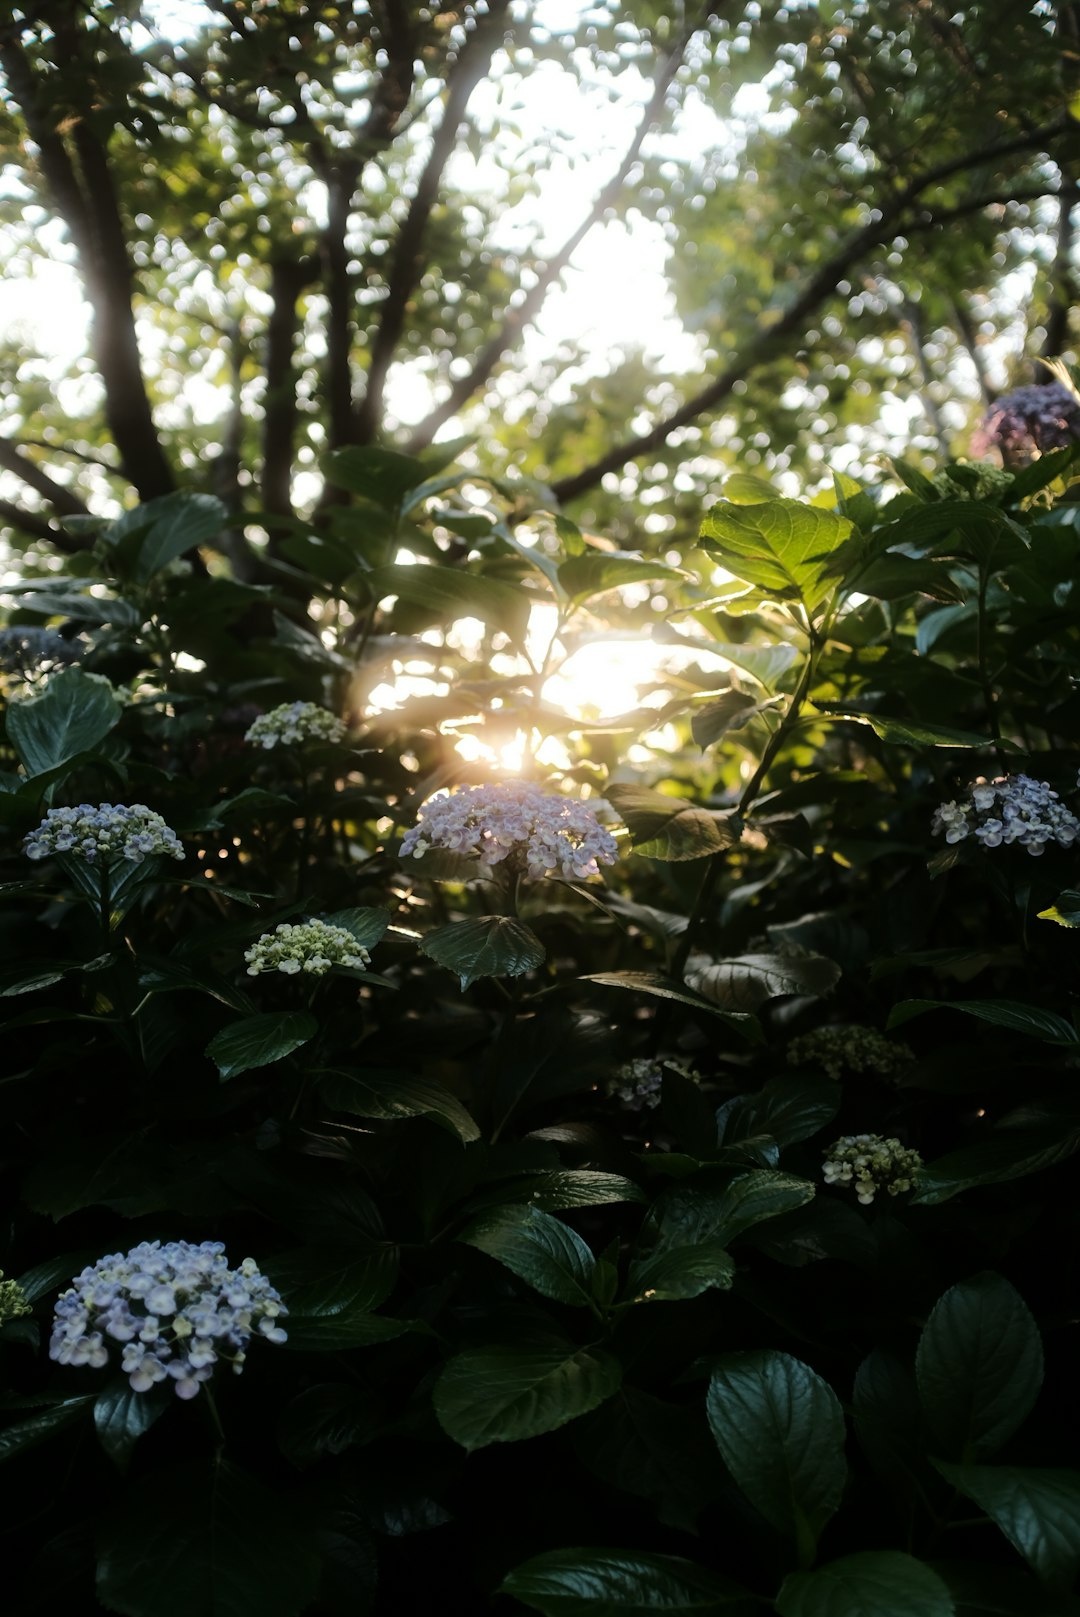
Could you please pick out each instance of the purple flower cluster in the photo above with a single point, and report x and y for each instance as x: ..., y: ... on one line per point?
x: 106, y: 831
x: 536, y: 830
x: 1027, y: 422
x: 1012, y: 808
x: 176, y: 1309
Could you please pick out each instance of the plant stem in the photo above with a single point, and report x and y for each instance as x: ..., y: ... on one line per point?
x: 105, y: 902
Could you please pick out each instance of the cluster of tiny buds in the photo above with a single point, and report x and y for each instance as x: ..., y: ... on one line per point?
x: 176, y: 1309
x: 13, y: 1303
x: 870, y: 1163
x: 308, y: 946
x: 103, y: 832
x: 637, y: 1083
x: 1010, y: 809
x: 293, y: 723
x: 848, y: 1047
x: 536, y: 830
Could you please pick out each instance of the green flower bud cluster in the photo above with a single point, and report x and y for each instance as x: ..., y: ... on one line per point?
x: 13, y: 1303
x: 869, y: 1164
x: 848, y: 1047
x: 312, y: 947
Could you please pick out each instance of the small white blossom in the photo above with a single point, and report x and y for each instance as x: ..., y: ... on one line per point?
x: 537, y: 831
x: 870, y: 1163
x: 293, y: 723
x: 177, y: 1310
x: 848, y: 1047
x: 309, y: 946
x: 1010, y: 809
x: 637, y: 1083
x: 104, y: 832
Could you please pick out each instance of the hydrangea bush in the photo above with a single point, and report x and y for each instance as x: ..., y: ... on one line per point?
x: 540, y: 1288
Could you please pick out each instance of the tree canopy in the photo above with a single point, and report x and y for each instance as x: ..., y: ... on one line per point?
x: 300, y: 227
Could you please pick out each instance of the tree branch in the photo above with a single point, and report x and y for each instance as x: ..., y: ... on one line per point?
x: 288, y: 278
x: 39, y: 527
x: 1063, y: 283
x: 816, y: 288
x: 970, y: 339
x: 471, y: 66
x: 517, y: 318
x: 86, y: 199
x: 62, y: 500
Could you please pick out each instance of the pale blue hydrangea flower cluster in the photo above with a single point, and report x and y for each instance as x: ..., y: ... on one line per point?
x: 637, y: 1084
x: 870, y: 1163
x: 293, y: 723
x: 177, y: 1310
x: 1012, y: 808
x: 105, y: 832
x: 848, y: 1047
x: 537, y: 831
x: 308, y: 946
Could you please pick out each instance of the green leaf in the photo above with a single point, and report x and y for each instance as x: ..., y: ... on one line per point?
x: 205, y: 1539
x: 179, y: 522
x: 594, y: 572
x: 503, y: 1394
x: 670, y: 828
x: 121, y: 1416
x: 790, y: 1109
x: 780, y: 1430
x: 375, y: 1093
x: 341, y: 1284
x: 747, y: 981
x: 453, y: 593
x: 661, y: 987
x: 729, y: 711
x: 979, y: 1366
x: 1007, y: 1154
x: 781, y: 545
x: 892, y: 576
x: 1007, y: 1013
x: 257, y: 1041
x: 365, y: 924
x: 72, y: 715
x: 912, y: 732
x: 1037, y: 1510
x: 326, y: 1419
x: 876, y: 1583
x: 380, y: 475
x: 562, y: 1188
x: 675, y: 1273
x: 1065, y: 910
x: 539, y: 1249
x: 655, y: 1450
x: 489, y: 946
x: 339, y: 1333
x: 28, y: 1433
x: 623, y: 1583
x: 889, y: 1421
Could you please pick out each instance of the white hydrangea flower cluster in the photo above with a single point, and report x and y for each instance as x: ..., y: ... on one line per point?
x: 514, y: 820
x: 293, y: 723
x: 177, y: 1309
x: 104, y: 831
x: 1012, y: 808
x: 309, y: 946
x: 848, y: 1047
x: 638, y: 1082
x: 871, y: 1163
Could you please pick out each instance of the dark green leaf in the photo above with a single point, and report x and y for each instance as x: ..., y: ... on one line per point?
x: 502, y: 1394
x: 670, y: 828
x: 780, y: 1430
x: 326, y: 1419
x: 75, y: 712
x: 1007, y: 1013
x: 258, y: 1041
x: 1007, y: 1154
x: 205, y: 1539
x: 1037, y: 1510
x: 570, y: 1187
x: 979, y: 1366
x: 397, y: 1095
x: 380, y: 475
x: 790, y: 1109
x: 451, y: 594
x: 366, y: 925
x: 675, y: 1273
x: 893, y: 576
x: 27, y: 1433
x: 179, y: 523
x: 338, y: 1333
x: 653, y: 1449
x: 877, y: 1583
x: 747, y: 981
x: 656, y: 984
x: 541, y: 1250
x: 489, y: 946
x: 729, y: 711
x: 121, y: 1416
x: 912, y: 732
x: 623, y: 1583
